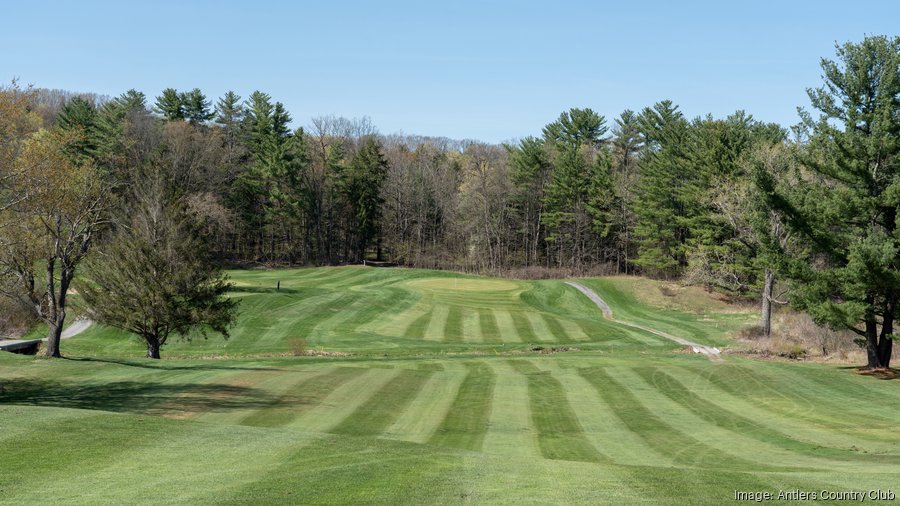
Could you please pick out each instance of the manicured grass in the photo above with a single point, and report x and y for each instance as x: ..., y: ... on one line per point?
x: 370, y: 311
x: 438, y: 403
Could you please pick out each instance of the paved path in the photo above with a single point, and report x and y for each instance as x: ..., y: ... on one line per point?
x: 79, y: 326
x: 710, y: 352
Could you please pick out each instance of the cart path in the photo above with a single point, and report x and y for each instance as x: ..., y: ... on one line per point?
x: 712, y: 353
x: 77, y: 327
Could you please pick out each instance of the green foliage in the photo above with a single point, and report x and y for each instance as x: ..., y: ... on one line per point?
x: 78, y: 115
x: 157, y: 278
x: 847, y: 209
x: 579, y: 196
x: 363, y: 182
x: 663, y: 208
x: 196, y: 107
x: 171, y: 105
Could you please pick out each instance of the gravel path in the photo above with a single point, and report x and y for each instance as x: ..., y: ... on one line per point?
x: 712, y: 353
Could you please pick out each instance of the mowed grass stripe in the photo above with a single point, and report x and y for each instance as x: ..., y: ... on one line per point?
x: 712, y: 413
x: 511, y: 431
x: 389, y: 303
x: 471, y: 326
x: 523, y: 327
x: 757, y: 408
x: 541, y: 330
x: 343, y: 401
x: 774, y: 394
x: 506, y: 326
x: 435, y: 330
x: 487, y: 321
x: 560, y: 435
x: 681, y: 447
x: 422, y: 417
x: 604, y: 429
x: 375, y: 415
x: 467, y: 421
x: 453, y: 325
x: 682, y: 420
x: 301, y: 396
x: 417, y: 327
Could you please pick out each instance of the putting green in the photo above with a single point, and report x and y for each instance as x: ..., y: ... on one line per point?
x: 445, y: 285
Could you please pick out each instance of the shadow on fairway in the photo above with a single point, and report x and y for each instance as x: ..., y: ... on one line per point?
x: 260, y: 289
x: 166, y: 366
x: 132, y: 396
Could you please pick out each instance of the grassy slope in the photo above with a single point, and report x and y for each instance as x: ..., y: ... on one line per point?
x: 625, y: 420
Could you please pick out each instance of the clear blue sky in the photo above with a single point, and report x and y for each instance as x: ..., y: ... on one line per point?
x: 485, y: 70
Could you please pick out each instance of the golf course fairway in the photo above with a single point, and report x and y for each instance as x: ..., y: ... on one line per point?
x: 428, y: 387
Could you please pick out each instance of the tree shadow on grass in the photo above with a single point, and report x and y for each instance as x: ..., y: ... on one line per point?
x: 167, y: 366
x: 261, y: 289
x: 133, y: 397
x: 884, y: 374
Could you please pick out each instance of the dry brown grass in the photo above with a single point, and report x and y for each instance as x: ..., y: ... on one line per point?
x: 796, y: 337
x: 14, y: 319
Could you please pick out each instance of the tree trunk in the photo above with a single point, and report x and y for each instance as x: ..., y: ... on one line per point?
x: 872, y: 344
x: 766, y: 316
x: 152, y: 347
x: 54, y: 334
x: 886, y: 343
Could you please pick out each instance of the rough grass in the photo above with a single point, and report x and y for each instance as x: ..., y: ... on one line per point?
x: 625, y: 420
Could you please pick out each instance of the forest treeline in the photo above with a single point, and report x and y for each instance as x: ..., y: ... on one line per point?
x: 651, y: 191
x: 730, y: 203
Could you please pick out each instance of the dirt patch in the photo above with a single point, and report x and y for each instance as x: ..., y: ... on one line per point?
x: 884, y: 373
x: 554, y: 349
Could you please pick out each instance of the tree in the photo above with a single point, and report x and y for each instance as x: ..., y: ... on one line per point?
x: 847, y: 213
x: 196, y: 107
x: 662, y: 209
x: 52, y: 229
x: 156, y: 277
x: 626, y: 145
x: 531, y: 171
x: 364, y: 179
x: 575, y: 199
x: 171, y: 105
x: 79, y: 116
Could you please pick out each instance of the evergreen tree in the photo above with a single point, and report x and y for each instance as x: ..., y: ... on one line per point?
x: 79, y: 117
x: 579, y: 185
x: 229, y: 117
x: 626, y: 144
x: 531, y: 171
x: 171, y: 105
x: 196, y: 107
x: 662, y: 211
x: 847, y: 212
x: 365, y: 176
x: 157, y: 276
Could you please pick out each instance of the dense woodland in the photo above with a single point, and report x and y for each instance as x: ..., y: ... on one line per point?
x: 730, y: 203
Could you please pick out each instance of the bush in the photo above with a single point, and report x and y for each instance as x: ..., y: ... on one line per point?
x: 15, y: 320
x: 796, y: 337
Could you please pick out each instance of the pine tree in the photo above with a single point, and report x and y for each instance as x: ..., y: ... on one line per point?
x: 157, y: 276
x: 847, y: 213
x: 365, y: 176
x: 196, y: 107
x: 79, y: 117
x: 573, y: 196
x: 662, y: 211
x: 171, y: 105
